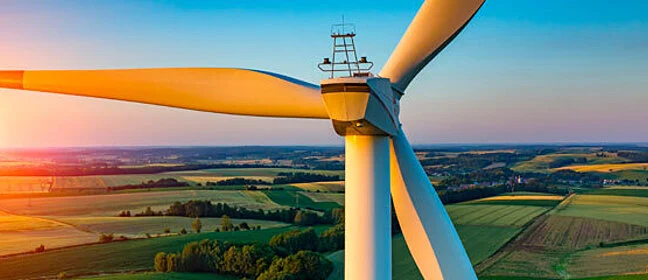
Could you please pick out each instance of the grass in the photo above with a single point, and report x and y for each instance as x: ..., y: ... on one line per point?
x: 620, y: 277
x: 566, y: 243
x: 573, y: 233
x: 493, y: 215
x: 118, y: 256
x: 403, y: 266
x: 110, y: 204
x: 335, y: 186
x: 298, y: 199
x: 601, y: 262
x: 325, y: 197
x: 321, y: 186
x: 622, y: 209
x: 480, y: 242
x: 543, y: 200
x: 621, y: 191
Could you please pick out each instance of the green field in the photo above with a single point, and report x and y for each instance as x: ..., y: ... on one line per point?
x: 117, y: 256
x: 567, y: 243
x: 325, y: 197
x: 321, y: 186
x: 609, y: 261
x: 620, y: 191
x: 298, y: 199
x: 623, y: 209
x: 493, y: 215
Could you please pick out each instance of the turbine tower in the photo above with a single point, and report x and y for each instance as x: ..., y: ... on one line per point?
x: 363, y: 108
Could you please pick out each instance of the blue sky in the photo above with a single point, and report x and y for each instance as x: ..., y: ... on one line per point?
x: 522, y: 71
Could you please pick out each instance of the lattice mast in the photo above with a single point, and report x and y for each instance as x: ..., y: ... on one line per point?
x: 344, y: 62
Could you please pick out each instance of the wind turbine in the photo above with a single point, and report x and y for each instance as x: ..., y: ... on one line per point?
x: 363, y: 108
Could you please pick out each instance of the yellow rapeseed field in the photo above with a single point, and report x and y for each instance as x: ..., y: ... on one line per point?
x: 606, y: 167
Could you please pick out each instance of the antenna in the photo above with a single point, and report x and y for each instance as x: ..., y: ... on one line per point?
x: 345, y: 55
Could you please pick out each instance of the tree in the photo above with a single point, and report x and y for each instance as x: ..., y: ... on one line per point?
x: 196, y: 225
x: 172, y: 263
x: 304, y: 265
x: 104, y: 238
x: 183, y: 231
x: 161, y: 262
x: 226, y: 223
x: 295, y: 240
x: 305, y: 218
x: 167, y: 230
x: 244, y: 226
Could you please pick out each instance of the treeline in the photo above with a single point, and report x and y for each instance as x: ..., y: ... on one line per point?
x: 303, y: 177
x: 86, y: 170
x: 162, y: 183
x: 204, y: 208
x: 237, y: 182
x: 477, y: 192
x: 634, y: 157
x: 469, y: 162
x: 489, y: 175
x: 258, y: 261
x: 288, y: 255
x: 566, y: 161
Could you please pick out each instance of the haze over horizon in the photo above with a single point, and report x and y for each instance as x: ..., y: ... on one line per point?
x: 521, y: 72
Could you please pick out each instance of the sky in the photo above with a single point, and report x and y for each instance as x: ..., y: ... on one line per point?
x: 523, y: 71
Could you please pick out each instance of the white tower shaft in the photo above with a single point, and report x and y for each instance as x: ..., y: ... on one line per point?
x: 367, y: 224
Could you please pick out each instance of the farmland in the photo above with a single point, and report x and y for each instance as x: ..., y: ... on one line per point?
x: 321, y: 186
x: 140, y: 226
x: 607, y: 167
x: 585, y: 230
x: 623, y: 209
x: 532, y: 233
x: 24, y: 184
x: 542, y: 163
x: 110, y: 204
x: 115, y: 256
x: 21, y: 233
x: 299, y: 199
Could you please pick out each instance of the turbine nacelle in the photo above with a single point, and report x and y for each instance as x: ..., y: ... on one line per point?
x: 362, y: 105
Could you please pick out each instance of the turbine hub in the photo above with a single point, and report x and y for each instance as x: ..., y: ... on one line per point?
x: 362, y: 105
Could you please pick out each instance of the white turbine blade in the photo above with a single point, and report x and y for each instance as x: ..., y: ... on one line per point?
x: 433, y: 28
x: 429, y: 233
x: 219, y: 90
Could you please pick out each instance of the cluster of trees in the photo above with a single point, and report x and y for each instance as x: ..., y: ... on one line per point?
x: 237, y: 182
x: 565, y: 161
x: 489, y: 175
x: 204, y: 208
x: 634, y: 156
x: 303, y: 177
x: 470, y: 162
x: 228, y: 225
x: 162, y: 183
x: 258, y: 261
